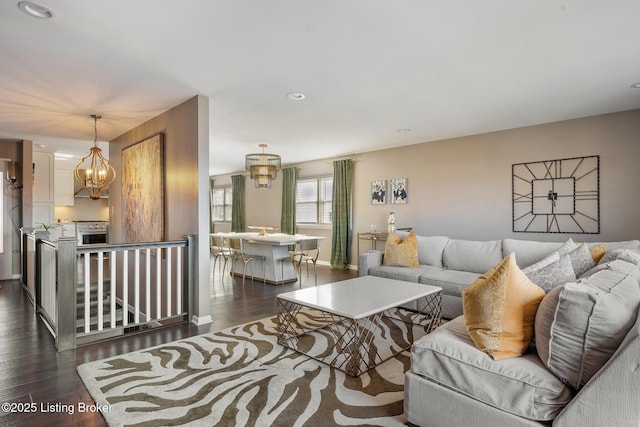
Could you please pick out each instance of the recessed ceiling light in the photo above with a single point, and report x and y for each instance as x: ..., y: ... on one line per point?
x: 636, y: 85
x: 296, y: 96
x: 404, y: 130
x: 36, y: 10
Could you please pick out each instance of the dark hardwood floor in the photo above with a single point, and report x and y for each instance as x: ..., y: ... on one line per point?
x: 34, y: 377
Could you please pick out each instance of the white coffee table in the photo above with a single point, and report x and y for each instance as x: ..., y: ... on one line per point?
x: 348, y: 324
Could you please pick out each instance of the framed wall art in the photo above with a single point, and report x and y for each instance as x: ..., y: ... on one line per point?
x: 399, y: 191
x: 379, y: 192
x: 143, y: 190
x: 557, y: 196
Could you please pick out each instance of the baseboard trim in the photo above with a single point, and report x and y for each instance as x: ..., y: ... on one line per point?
x: 328, y: 264
x: 199, y: 321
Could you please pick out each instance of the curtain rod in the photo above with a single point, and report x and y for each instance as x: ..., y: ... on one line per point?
x: 353, y: 159
x: 329, y: 162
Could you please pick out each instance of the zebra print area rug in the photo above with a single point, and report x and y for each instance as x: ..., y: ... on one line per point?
x: 241, y: 376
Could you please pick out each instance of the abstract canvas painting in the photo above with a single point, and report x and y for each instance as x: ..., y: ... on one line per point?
x: 143, y: 190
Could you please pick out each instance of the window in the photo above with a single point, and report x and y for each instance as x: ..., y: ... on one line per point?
x: 313, y: 200
x: 222, y: 204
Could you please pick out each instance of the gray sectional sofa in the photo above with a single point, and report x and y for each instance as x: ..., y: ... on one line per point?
x: 453, y: 264
x: 583, y: 368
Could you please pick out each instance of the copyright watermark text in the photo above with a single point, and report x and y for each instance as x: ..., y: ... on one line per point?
x: 53, y: 408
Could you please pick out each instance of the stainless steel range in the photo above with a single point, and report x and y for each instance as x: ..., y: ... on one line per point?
x: 92, y: 232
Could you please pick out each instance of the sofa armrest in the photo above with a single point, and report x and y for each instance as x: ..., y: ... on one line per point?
x: 368, y: 260
x: 611, y: 396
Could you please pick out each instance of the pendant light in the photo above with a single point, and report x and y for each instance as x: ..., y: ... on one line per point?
x: 94, y: 172
x: 263, y: 167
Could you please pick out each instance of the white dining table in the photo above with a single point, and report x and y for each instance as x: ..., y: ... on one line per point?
x: 271, y: 246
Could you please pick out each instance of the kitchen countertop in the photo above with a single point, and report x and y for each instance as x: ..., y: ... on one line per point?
x: 73, y: 221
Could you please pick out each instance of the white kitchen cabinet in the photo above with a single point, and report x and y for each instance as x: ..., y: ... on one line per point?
x: 69, y: 229
x: 63, y: 229
x: 64, y: 187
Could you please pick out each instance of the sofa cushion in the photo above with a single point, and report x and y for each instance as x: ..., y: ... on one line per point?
x: 471, y: 255
x: 624, y: 244
x: 520, y: 386
x: 430, y: 249
x: 452, y: 282
x: 580, y: 325
x: 612, y: 261
x: 402, y: 273
x: 554, y: 274
x: 500, y: 309
x: 628, y: 255
x: 401, y: 252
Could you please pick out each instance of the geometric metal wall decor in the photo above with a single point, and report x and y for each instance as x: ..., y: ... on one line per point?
x: 557, y: 196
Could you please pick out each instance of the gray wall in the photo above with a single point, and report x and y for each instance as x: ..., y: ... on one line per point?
x: 462, y: 187
x: 186, y: 154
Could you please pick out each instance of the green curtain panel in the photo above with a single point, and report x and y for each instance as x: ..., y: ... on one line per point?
x: 288, y: 220
x: 211, y: 223
x: 237, y: 204
x: 342, y: 231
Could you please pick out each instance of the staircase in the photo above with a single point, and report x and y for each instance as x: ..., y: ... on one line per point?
x: 93, y: 308
x: 63, y: 273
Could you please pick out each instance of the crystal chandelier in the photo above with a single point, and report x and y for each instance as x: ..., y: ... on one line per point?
x: 94, y: 172
x: 263, y: 167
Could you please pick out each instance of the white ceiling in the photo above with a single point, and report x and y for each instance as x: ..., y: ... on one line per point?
x: 367, y: 67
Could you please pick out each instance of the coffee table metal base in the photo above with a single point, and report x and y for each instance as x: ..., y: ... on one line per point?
x: 353, y: 349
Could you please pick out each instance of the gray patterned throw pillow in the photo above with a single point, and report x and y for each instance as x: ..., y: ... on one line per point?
x: 552, y: 257
x: 581, y: 259
x: 555, y: 274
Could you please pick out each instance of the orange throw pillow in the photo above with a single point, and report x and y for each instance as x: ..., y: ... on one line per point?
x: 500, y: 309
x: 401, y: 253
x: 598, y: 252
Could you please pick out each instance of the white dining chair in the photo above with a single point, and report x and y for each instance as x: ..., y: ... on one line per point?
x: 309, y: 252
x: 239, y: 254
x: 306, y: 250
x: 219, y: 251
